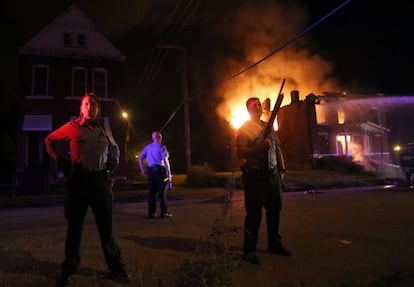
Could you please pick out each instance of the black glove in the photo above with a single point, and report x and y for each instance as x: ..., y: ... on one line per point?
x: 63, y: 165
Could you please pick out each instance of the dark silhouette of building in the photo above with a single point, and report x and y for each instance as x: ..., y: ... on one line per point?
x: 69, y: 57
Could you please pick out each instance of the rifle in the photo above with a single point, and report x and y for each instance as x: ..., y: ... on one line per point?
x: 267, y: 130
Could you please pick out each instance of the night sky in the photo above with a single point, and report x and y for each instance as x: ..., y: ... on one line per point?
x: 363, y: 48
x: 368, y: 44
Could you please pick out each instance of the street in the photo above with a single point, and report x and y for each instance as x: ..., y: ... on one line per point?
x: 350, y: 235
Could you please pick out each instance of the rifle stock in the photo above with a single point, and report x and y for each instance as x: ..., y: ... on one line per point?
x: 275, y: 110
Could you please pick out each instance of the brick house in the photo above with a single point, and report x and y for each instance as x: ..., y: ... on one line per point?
x: 69, y: 57
x: 364, y: 128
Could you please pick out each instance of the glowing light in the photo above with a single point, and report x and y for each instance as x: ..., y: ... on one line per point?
x: 320, y: 114
x: 125, y: 115
x: 234, y: 109
x: 344, y: 147
x: 397, y: 148
x: 341, y: 139
x: 341, y: 116
x: 239, y: 115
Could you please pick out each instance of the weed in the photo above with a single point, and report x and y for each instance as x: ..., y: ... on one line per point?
x: 212, y: 268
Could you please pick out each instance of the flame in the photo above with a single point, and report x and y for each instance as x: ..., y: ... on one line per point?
x: 341, y: 116
x: 233, y: 108
x: 303, y: 70
x: 238, y: 116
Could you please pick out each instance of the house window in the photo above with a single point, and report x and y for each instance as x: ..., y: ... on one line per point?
x: 81, y: 40
x: 320, y: 114
x: 40, y: 78
x: 79, y: 81
x: 67, y: 39
x: 99, y: 82
x: 341, y: 116
x: 342, y: 144
x: 74, y: 41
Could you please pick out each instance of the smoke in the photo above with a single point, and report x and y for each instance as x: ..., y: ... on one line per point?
x: 256, y: 31
x: 247, y: 32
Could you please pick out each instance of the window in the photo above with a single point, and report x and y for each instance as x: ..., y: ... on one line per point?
x: 341, y: 116
x: 79, y: 81
x: 320, y: 114
x: 40, y: 78
x: 99, y: 82
x: 67, y: 41
x: 81, y: 40
x: 74, y: 40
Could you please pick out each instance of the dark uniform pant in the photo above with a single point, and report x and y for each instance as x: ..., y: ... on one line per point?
x: 157, y: 188
x: 262, y: 189
x: 89, y: 189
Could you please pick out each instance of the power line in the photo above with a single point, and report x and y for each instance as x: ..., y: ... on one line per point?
x: 176, y: 23
x: 309, y: 28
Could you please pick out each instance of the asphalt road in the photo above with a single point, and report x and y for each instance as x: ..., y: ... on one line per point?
x: 337, y: 236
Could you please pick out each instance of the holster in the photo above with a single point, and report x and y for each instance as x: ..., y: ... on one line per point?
x: 257, y: 171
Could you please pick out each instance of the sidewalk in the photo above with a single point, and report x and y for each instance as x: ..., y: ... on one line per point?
x: 136, y: 193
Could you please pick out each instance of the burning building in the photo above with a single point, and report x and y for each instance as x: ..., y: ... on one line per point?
x: 356, y: 127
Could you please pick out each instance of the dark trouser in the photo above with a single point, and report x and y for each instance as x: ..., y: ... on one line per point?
x: 408, y: 178
x: 261, y: 190
x: 157, y: 187
x: 89, y: 189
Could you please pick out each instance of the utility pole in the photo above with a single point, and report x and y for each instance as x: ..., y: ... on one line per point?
x: 186, y: 113
x: 127, y: 134
x: 187, y: 137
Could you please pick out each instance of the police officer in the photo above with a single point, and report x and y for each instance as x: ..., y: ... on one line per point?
x: 93, y: 155
x: 158, y: 170
x: 262, y: 173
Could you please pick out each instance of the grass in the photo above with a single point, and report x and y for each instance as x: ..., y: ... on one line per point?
x: 294, y: 179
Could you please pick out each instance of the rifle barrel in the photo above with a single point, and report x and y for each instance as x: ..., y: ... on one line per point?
x: 275, y: 110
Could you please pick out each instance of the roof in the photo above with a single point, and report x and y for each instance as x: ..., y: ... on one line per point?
x: 83, y: 39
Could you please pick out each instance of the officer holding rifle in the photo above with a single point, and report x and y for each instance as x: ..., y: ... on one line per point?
x: 263, y: 168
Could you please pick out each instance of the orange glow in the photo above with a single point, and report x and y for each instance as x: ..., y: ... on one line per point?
x: 234, y: 109
x: 320, y: 114
x: 303, y: 70
x: 341, y: 139
x: 233, y: 105
x: 238, y: 116
x: 344, y: 146
x: 341, y: 116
